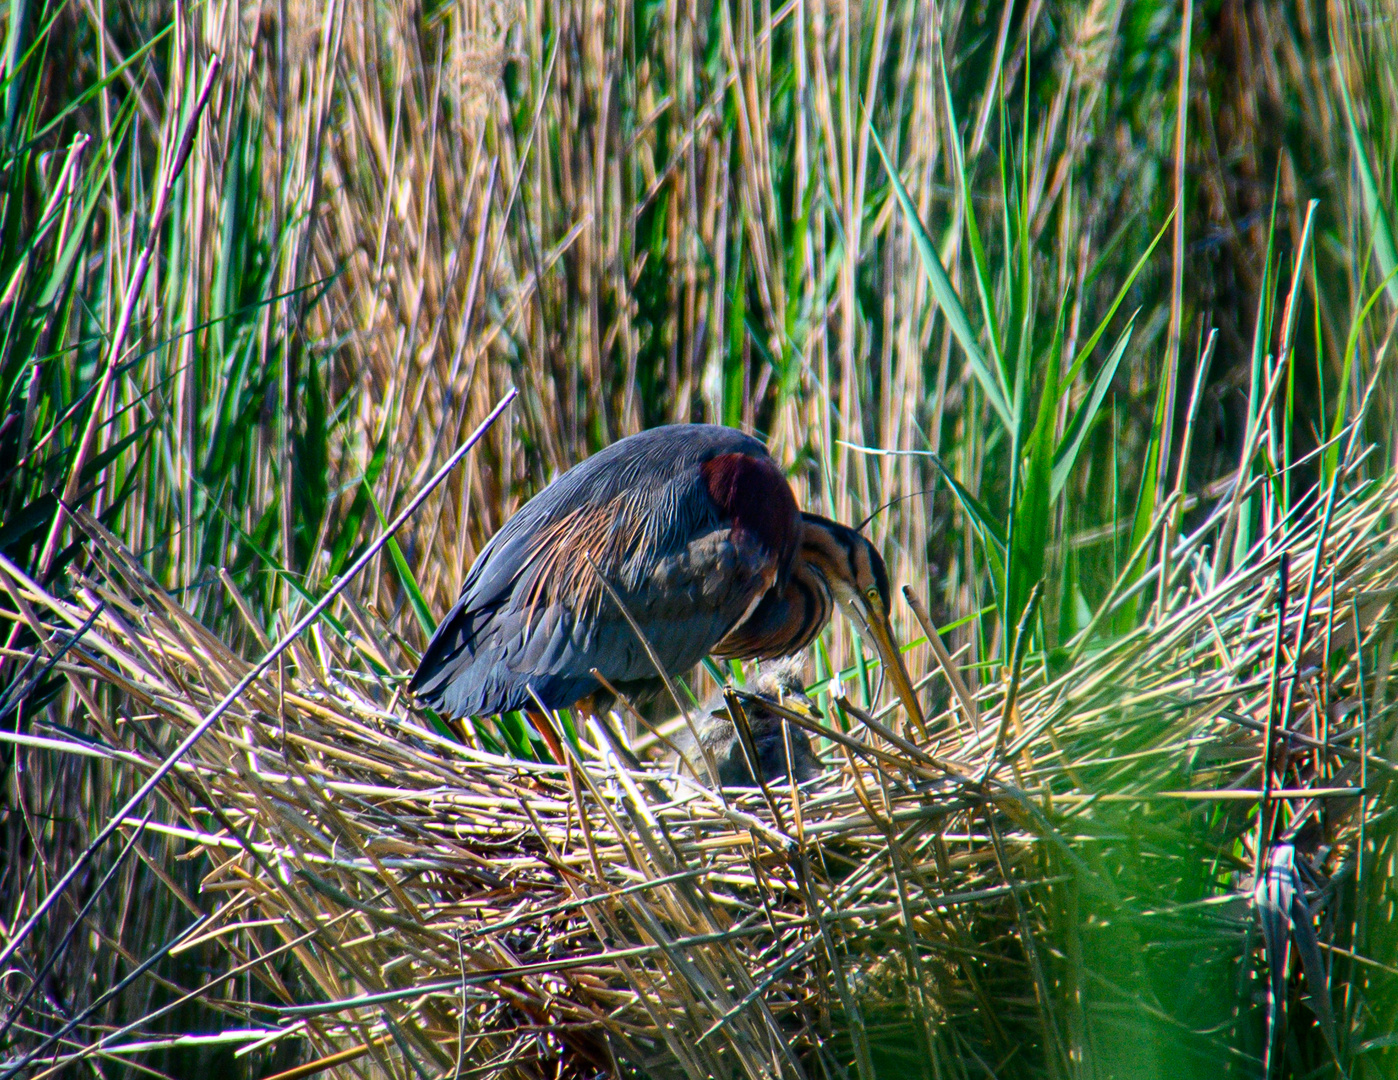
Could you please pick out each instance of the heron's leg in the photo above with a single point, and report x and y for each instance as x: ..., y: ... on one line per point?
x: 598, y: 705
x: 544, y: 726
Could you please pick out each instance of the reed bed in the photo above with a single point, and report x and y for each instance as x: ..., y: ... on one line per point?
x: 1089, y: 304
x: 412, y: 904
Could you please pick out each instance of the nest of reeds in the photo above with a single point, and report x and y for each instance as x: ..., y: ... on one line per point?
x: 414, y: 905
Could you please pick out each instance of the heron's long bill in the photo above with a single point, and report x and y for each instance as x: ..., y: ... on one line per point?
x: 874, y: 621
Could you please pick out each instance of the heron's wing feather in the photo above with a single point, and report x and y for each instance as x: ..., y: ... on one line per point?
x: 489, y: 661
x: 651, y: 482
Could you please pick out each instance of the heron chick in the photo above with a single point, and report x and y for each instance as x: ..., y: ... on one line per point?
x: 777, y: 681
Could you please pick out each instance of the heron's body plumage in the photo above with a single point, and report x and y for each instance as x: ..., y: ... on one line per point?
x: 533, y: 615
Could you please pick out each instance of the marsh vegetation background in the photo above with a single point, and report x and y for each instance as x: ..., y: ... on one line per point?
x: 263, y: 267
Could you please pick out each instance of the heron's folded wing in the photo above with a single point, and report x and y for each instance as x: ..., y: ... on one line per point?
x: 686, y: 603
x: 532, y: 605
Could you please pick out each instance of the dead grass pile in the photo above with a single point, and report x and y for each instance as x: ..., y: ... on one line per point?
x: 412, y: 905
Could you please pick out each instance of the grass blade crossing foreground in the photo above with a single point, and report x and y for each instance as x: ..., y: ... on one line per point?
x: 991, y: 381
x: 247, y: 680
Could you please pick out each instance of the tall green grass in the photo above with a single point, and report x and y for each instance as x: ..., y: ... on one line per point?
x: 941, y: 255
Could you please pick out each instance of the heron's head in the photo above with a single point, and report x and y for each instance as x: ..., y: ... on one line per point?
x: 858, y: 581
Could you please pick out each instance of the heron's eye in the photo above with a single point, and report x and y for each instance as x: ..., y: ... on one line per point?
x: 873, y: 594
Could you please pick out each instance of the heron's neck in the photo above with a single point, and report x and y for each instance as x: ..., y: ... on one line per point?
x: 785, y: 620
x: 831, y: 550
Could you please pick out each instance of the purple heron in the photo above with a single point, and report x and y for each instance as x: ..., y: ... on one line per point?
x: 697, y: 534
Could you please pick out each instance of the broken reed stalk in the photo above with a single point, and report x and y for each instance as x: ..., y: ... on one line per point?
x: 964, y: 697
